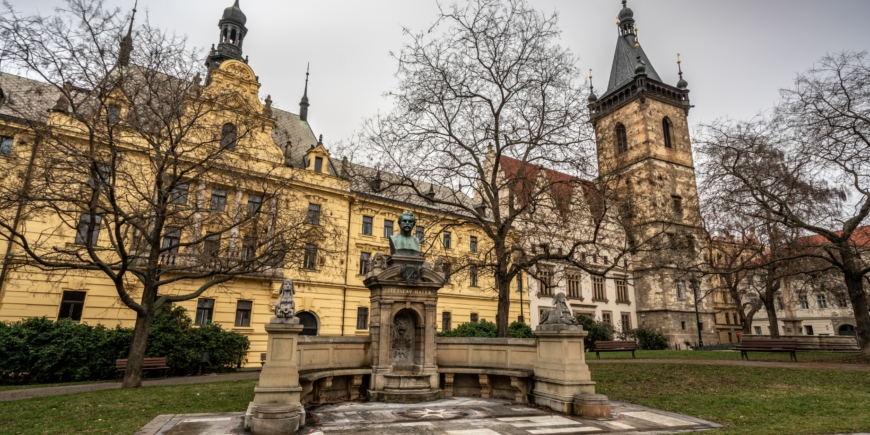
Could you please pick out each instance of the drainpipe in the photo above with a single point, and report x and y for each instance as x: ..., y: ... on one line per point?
x: 7, y: 256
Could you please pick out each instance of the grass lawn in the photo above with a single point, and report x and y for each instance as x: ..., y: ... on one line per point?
x: 823, y: 357
x: 749, y: 400
x: 121, y: 411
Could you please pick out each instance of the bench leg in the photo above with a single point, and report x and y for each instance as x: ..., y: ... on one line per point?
x: 794, y: 356
x: 632, y: 355
x: 597, y: 355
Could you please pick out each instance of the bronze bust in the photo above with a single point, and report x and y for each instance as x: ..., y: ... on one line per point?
x: 404, y: 243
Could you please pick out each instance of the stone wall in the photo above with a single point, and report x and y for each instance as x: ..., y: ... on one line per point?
x: 486, y: 353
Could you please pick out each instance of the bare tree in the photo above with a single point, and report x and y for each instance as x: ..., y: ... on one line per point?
x: 807, y: 168
x: 125, y: 159
x: 490, y: 123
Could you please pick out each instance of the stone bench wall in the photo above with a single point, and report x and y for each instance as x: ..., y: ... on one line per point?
x: 332, y: 368
x: 486, y: 367
x: 817, y: 342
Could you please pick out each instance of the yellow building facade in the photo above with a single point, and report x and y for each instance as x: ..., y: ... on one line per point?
x: 331, y: 298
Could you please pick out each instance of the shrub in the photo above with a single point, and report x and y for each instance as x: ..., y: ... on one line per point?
x: 43, y: 351
x: 485, y: 329
x: 647, y: 338
x: 598, y: 331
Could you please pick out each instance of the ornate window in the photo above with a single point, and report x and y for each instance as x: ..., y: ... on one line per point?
x: 545, y: 276
x: 822, y: 301
x: 573, y: 284
x: 621, y: 291
x: 599, y: 292
x: 621, y: 139
x: 229, y: 135
x: 666, y: 128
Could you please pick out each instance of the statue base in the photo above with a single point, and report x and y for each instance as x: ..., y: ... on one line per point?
x: 276, y: 419
x: 561, y: 372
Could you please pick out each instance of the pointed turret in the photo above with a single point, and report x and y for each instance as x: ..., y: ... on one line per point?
x: 127, y: 42
x: 303, y: 105
x: 627, y: 50
x: 231, y: 38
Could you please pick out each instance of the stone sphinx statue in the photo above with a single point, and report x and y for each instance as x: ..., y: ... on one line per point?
x: 561, y: 314
x: 404, y: 243
x: 285, y: 309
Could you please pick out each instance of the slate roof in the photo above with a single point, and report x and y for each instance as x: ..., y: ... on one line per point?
x: 26, y: 98
x: 624, y: 62
x: 289, y: 128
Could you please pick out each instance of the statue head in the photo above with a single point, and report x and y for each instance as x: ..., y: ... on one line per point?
x: 407, y: 222
x: 288, y: 287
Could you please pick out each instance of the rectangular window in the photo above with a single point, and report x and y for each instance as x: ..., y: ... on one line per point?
x: 445, y: 321
x: 519, y: 282
x: 683, y: 325
x: 621, y: 291
x: 171, y: 239
x: 822, y: 301
x: 598, y: 289
x: 473, y: 317
x: 211, y: 245
x: 318, y: 164
x: 472, y: 273
x: 249, y: 248
x: 5, y: 146
x: 681, y: 290
x: 178, y: 195
x: 362, y: 318
x: 545, y: 277
x: 255, y: 203
x: 243, y: 313
x: 420, y: 232
x: 367, y: 225
x: 446, y: 239
x: 388, y: 229
x: 805, y: 303
x: 678, y: 205
x: 842, y: 301
x: 88, y: 225
x: 626, y: 322
x: 104, y: 174
x: 757, y: 330
x: 779, y: 305
x: 573, y: 284
x: 313, y: 216
x: 309, y: 260
x: 606, y: 318
x: 113, y: 113
x: 71, y: 305
x: 472, y: 244
x: 809, y: 330
x: 364, y: 259
x: 218, y: 200
x: 447, y: 272
x: 727, y: 319
x: 204, y: 311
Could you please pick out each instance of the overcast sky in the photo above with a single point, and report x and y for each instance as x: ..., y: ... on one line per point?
x: 736, y: 53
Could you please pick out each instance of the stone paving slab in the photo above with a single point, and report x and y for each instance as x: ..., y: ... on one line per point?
x: 452, y: 416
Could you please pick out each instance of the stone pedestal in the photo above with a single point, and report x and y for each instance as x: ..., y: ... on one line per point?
x: 560, y: 369
x: 277, y: 407
x: 404, y: 302
x: 593, y: 406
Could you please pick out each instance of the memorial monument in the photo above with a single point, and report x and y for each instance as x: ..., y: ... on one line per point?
x: 404, y: 300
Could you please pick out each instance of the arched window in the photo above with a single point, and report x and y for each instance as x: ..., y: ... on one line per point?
x: 310, y: 325
x: 228, y: 137
x: 666, y: 127
x: 621, y: 139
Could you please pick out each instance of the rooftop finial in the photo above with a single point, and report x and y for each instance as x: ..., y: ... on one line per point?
x: 303, y: 105
x: 592, y: 97
x: 682, y: 84
x: 127, y: 41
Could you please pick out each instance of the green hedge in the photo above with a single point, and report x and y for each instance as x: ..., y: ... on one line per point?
x: 598, y: 331
x: 485, y: 329
x: 647, y: 338
x: 39, y: 350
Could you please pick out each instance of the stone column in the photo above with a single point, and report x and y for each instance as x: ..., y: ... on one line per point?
x: 560, y: 368
x: 277, y: 407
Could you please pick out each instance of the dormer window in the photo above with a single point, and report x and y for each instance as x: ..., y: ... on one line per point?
x: 621, y: 139
x: 229, y: 137
x: 666, y: 128
x: 113, y: 113
x: 5, y: 146
x: 318, y: 164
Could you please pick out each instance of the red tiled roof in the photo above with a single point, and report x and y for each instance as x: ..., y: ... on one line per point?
x: 860, y: 238
x: 562, y: 185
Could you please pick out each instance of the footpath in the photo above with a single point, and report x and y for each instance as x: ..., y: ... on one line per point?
x: 767, y: 364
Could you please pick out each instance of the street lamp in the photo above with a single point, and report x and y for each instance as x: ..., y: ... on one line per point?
x: 695, y: 287
x: 642, y: 319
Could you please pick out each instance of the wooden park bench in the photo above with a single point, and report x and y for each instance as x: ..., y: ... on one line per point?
x: 262, y: 359
x: 767, y: 345
x: 615, y: 346
x: 148, y: 364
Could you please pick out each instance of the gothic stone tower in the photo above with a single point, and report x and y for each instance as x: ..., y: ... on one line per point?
x: 645, y: 161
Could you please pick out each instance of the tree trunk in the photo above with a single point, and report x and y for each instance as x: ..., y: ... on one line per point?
x: 770, y: 308
x: 858, y: 298
x: 504, y: 305
x: 133, y: 374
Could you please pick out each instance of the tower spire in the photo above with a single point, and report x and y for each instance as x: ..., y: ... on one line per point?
x: 127, y: 41
x: 303, y: 105
x: 232, y: 36
x: 682, y: 83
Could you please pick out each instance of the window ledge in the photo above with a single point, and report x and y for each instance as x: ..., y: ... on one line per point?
x: 623, y: 302
x: 600, y: 300
x: 243, y: 330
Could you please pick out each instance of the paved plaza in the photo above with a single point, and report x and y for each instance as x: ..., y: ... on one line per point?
x: 453, y: 416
